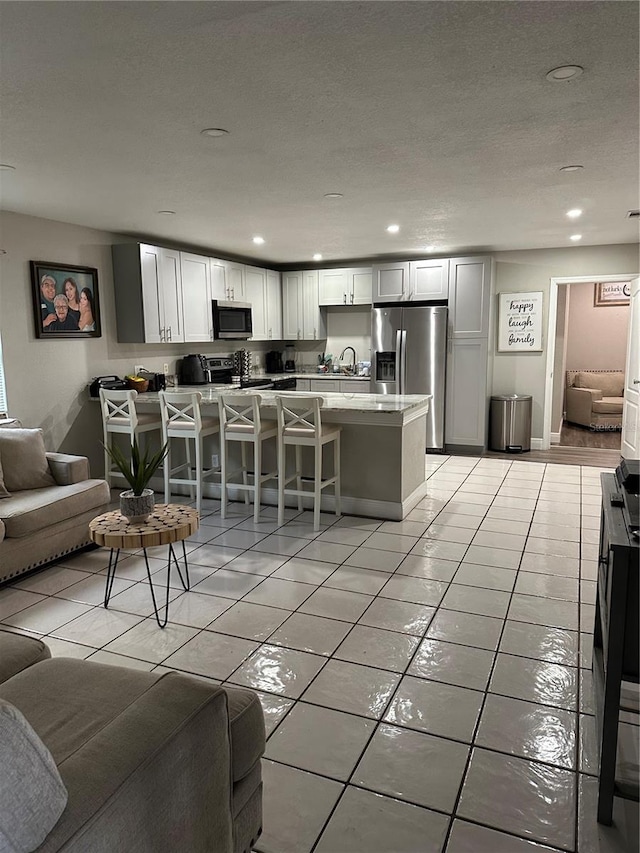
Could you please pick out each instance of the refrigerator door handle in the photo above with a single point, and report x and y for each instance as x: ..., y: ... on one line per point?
x: 403, y: 386
x: 399, y: 365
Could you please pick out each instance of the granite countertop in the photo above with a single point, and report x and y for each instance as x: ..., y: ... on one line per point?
x: 334, y: 376
x: 333, y: 401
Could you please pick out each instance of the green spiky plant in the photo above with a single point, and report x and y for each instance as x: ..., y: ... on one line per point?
x: 138, y: 470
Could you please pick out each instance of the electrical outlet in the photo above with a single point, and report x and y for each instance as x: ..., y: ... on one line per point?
x: 215, y: 460
x: 137, y: 369
x: 165, y: 369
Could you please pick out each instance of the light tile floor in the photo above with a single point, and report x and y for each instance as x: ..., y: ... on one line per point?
x: 426, y: 683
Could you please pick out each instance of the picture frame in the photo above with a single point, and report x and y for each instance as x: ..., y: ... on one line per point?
x: 608, y: 294
x: 520, y: 321
x: 77, y: 314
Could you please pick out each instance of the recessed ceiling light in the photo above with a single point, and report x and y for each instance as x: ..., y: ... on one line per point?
x: 214, y: 131
x: 258, y: 241
x: 167, y: 212
x: 564, y: 72
x: 3, y: 251
x: 317, y: 256
x: 5, y: 167
x: 574, y: 213
x: 575, y: 168
x: 576, y: 237
x: 430, y: 248
x: 333, y: 195
x: 393, y: 229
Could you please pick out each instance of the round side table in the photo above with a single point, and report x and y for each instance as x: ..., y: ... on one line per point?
x: 169, y: 523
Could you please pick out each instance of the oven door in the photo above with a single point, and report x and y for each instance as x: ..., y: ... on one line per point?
x: 231, y: 321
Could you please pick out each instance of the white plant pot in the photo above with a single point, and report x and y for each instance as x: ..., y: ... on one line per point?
x: 137, y: 508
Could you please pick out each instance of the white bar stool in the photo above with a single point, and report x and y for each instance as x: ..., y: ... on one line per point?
x: 300, y: 425
x: 119, y: 416
x: 181, y: 418
x: 240, y: 421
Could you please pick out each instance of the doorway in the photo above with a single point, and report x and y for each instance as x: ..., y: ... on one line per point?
x: 587, y: 344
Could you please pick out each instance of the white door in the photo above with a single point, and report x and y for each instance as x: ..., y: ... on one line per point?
x: 334, y: 286
x: 310, y: 307
x: 151, y: 294
x: 361, y: 286
x: 390, y: 282
x: 630, y: 448
x: 235, y: 281
x: 196, y: 297
x: 469, y: 288
x: 291, y: 306
x: 218, y: 275
x: 274, y: 306
x: 171, y: 281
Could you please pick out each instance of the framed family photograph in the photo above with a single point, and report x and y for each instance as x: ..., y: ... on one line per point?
x: 611, y: 293
x: 66, y: 301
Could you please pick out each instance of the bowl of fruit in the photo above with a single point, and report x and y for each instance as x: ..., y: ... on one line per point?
x: 137, y: 383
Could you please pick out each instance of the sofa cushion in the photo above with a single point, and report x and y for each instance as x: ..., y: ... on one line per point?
x: 32, y: 794
x: 18, y: 652
x: 246, y: 722
x: 3, y: 489
x: 608, y: 406
x: 24, y: 460
x: 31, y: 510
x: 611, y: 384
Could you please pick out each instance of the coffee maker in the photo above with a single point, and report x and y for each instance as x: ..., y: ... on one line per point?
x: 273, y: 361
x: 289, y: 360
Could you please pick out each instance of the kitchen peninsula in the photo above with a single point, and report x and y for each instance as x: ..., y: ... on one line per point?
x: 382, y: 455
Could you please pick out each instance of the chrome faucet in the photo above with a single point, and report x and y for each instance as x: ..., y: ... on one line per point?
x: 355, y: 358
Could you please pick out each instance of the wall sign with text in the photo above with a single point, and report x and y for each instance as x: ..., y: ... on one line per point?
x: 520, y: 322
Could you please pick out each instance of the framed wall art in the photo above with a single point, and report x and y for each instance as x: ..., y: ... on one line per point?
x: 66, y: 302
x: 611, y: 293
x: 520, y: 322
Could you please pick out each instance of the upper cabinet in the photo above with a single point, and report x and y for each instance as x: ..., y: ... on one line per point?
x: 352, y: 286
x: 148, y: 290
x: 469, y: 297
x: 302, y: 317
x: 274, y: 306
x: 411, y: 281
x: 196, y: 297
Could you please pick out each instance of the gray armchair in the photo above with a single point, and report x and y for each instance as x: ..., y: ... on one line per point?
x: 594, y: 398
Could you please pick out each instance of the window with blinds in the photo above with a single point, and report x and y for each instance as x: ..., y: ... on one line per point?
x: 3, y: 389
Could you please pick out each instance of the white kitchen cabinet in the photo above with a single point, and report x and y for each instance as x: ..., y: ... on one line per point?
x: 354, y: 386
x: 227, y: 280
x: 218, y: 278
x: 274, y: 306
x: 303, y: 384
x: 148, y: 290
x: 302, y: 317
x: 196, y: 297
x: 466, y: 410
x: 391, y: 282
x: 469, y: 297
x: 326, y: 385
x: 429, y: 280
x: 255, y: 292
x: 350, y: 286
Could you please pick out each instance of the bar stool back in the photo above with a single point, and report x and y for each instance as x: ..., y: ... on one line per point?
x: 120, y: 416
x: 181, y: 418
x: 300, y: 425
x: 240, y: 421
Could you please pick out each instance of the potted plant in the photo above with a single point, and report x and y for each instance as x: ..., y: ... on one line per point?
x: 136, y: 504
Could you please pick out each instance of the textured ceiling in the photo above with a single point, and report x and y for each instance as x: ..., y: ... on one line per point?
x: 433, y: 115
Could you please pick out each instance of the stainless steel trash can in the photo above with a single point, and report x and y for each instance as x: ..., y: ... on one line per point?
x: 511, y: 422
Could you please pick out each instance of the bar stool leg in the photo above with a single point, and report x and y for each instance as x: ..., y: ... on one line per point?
x: 257, y: 455
x: 282, y: 476
x: 317, y: 486
x: 198, y: 443
x: 167, y: 474
x: 245, y: 476
x: 223, y: 476
x: 107, y: 461
x: 188, y: 446
x: 336, y: 474
x: 299, y: 475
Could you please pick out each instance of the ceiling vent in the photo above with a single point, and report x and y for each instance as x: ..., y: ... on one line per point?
x: 633, y: 214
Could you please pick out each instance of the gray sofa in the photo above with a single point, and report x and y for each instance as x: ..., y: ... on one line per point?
x: 39, y: 525
x: 152, y: 763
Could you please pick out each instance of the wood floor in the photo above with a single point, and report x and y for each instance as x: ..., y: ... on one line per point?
x: 573, y: 435
x: 557, y: 455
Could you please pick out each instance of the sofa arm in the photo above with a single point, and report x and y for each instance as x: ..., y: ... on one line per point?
x: 579, y: 402
x: 2, y: 530
x: 68, y: 469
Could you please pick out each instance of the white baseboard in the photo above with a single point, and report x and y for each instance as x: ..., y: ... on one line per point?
x: 555, y: 438
x: 537, y: 444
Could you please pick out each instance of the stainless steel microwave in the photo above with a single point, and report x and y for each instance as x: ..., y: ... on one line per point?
x: 231, y: 320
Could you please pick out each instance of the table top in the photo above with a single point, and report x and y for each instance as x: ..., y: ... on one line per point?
x: 168, y: 523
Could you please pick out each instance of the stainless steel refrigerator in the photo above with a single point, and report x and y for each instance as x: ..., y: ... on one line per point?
x: 408, y: 356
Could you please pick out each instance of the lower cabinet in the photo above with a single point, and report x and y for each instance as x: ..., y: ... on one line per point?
x: 466, y: 398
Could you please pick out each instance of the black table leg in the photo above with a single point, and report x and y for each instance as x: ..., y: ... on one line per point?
x: 111, y: 574
x: 186, y: 583
x: 153, y: 595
